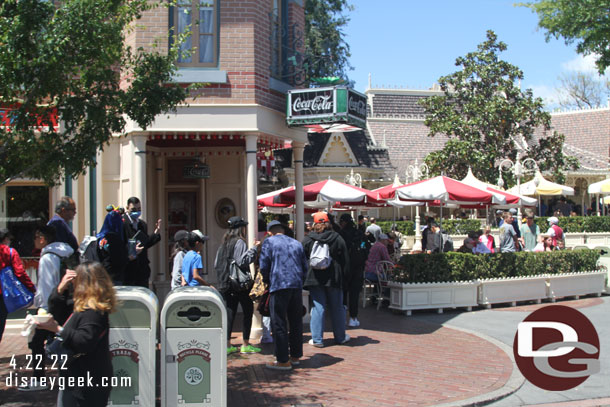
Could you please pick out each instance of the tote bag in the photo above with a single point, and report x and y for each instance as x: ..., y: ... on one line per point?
x: 16, y: 295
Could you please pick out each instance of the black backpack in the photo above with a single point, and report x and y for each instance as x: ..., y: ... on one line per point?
x: 88, y: 249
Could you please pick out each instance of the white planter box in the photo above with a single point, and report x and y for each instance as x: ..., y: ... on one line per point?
x: 576, y: 284
x: 597, y: 239
x: 497, y: 291
x: 407, y: 297
x: 574, y: 239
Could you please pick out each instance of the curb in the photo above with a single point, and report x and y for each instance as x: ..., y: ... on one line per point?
x: 515, y: 381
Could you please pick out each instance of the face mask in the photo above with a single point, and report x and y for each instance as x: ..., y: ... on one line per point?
x: 135, y: 214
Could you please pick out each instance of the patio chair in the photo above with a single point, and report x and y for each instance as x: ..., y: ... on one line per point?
x: 369, y: 289
x: 383, y: 273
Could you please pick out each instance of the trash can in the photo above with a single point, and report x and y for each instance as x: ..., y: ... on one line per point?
x: 133, y: 345
x: 193, y: 348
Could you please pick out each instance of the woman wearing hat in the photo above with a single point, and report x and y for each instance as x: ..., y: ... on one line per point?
x: 326, y: 285
x: 234, y: 247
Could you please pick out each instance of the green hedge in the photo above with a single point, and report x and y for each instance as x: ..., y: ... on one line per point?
x: 574, y: 224
x: 454, y: 266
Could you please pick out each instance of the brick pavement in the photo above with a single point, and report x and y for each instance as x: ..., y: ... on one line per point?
x: 390, y: 361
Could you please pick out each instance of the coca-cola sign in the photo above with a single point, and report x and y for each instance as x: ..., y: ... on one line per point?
x: 337, y: 104
x: 356, y: 105
x: 312, y: 103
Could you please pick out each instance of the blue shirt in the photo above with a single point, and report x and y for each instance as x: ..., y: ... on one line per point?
x: 192, y: 260
x: 283, y: 263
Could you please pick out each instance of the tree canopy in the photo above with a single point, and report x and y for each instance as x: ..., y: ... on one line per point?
x: 586, y: 22
x: 487, y: 118
x: 68, y: 82
x: 326, y: 51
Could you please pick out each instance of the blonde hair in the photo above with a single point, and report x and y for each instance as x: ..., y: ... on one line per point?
x: 93, y: 289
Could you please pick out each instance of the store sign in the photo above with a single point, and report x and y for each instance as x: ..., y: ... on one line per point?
x: 196, y: 171
x: 336, y: 104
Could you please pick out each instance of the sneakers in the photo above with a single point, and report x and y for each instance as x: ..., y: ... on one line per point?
x: 231, y: 349
x: 249, y: 349
x: 346, y: 340
x: 317, y: 345
x: 33, y: 386
x: 279, y: 366
x: 353, y: 322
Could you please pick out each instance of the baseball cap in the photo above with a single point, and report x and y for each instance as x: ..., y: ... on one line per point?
x: 181, y: 235
x: 320, y: 217
x: 236, y: 222
x: 553, y: 220
x: 200, y: 236
x: 383, y: 236
x: 512, y: 211
x: 272, y: 224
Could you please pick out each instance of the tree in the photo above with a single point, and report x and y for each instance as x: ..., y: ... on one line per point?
x: 487, y: 118
x: 586, y: 22
x: 68, y: 82
x: 581, y: 90
x: 326, y: 51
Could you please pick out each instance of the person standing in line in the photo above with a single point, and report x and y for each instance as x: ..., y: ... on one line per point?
x: 529, y: 234
x: 358, y: 250
x: 326, y: 285
x: 180, y: 249
x: 373, y: 229
x: 49, y: 275
x: 86, y: 333
x: 234, y: 248
x: 192, y: 265
x: 362, y: 223
x: 137, y: 271
x: 508, y: 237
x: 65, y: 210
x: 10, y: 257
x: 555, y: 232
x: 283, y: 266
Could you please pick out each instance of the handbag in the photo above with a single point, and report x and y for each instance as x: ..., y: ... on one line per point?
x: 263, y: 304
x: 258, y: 289
x: 16, y: 295
x: 239, y: 280
x: 56, y: 350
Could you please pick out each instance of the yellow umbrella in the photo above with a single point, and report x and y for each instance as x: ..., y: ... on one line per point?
x: 541, y: 186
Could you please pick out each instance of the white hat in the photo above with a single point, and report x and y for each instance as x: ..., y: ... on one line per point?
x: 553, y: 220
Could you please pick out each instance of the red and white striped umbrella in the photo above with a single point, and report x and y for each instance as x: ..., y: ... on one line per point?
x: 445, y: 190
x: 331, y: 128
x: 331, y: 191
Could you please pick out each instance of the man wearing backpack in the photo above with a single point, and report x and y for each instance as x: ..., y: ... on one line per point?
x: 328, y: 266
x: 49, y: 275
x: 357, y: 247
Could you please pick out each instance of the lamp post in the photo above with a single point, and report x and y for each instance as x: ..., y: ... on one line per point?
x: 518, y: 169
x: 414, y: 172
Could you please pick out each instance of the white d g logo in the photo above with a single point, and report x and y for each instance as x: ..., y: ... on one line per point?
x: 556, y: 348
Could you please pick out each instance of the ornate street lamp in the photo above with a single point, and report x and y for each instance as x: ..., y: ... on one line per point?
x: 518, y: 169
x: 414, y: 173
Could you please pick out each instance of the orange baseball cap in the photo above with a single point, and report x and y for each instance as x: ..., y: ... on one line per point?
x: 320, y: 217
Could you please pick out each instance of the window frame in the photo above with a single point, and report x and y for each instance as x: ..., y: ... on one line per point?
x: 195, y: 33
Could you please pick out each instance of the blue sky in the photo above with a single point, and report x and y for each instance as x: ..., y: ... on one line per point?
x: 411, y: 43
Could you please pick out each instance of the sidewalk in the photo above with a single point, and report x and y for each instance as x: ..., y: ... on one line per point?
x: 392, y: 360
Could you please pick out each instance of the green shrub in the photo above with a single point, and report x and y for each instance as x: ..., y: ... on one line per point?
x: 578, y: 224
x: 454, y: 266
x: 404, y: 227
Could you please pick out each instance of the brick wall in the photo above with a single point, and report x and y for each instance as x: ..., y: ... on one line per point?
x: 244, y: 53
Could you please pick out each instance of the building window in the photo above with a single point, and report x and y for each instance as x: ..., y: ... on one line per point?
x: 198, y: 18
